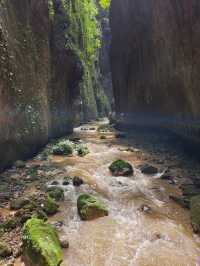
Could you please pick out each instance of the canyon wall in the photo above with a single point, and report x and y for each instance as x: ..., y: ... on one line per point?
x: 155, y: 58
x: 48, y: 72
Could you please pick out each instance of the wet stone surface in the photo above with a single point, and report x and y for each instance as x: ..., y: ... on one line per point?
x: 149, y: 219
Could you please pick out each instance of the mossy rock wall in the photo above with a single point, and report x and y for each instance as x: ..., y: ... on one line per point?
x: 83, y: 39
x: 49, y: 75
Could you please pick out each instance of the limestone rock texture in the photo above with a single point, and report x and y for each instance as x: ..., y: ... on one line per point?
x: 155, y: 60
x: 45, y: 84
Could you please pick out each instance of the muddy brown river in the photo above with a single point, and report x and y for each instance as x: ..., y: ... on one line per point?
x: 144, y: 227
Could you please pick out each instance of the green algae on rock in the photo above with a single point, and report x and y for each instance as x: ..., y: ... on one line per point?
x: 63, y: 148
x: 56, y: 193
x: 49, y: 206
x: 90, y: 208
x: 41, y: 245
x: 82, y: 150
x: 195, y: 213
x: 121, y: 168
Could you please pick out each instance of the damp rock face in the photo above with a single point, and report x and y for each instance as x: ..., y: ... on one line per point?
x: 48, y: 79
x: 155, y: 63
x: 90, y: 208
x: 41, y: 245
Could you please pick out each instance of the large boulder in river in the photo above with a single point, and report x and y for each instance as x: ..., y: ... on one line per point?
x: 90, y: 208
x: 41, y: 245
x: 121, y: 168
x: 195, y: 213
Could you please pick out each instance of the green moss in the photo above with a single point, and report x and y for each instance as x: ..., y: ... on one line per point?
x: 56, y: 193
x: 82, y: 150
x: 50, y: 206
x: 90, y: 208
x: 84, y: 39
x: 105, y: 4
x: 63, y: 148
x: 41, y: 243
x: 121, y: 167
x: 51, y: 9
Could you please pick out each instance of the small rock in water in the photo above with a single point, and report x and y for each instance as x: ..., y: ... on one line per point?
x: 157, y: 236
x: 77, y: 181
x: 145, y: 208
x: 55, y: 183
x: 166, y: 176
x: 66, y: 180
x: 148, y: 169
x: 120, y: 136
x: 64, y: 242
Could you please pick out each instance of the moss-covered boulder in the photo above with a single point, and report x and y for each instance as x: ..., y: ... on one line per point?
x: 121, y: 168
x: 90, y: 208
x: 5, y: 251
x: 56, y: 193
x: 82, y: 150
x: 63, y: 148
x: 49, y: 206
x: 195, y: 213
x: 41, y: 245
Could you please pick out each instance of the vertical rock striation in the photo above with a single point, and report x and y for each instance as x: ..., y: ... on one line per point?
x: 156, y: 62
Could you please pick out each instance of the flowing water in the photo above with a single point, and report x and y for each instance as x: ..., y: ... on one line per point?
x: 159, y: 236
x: 128, y: 236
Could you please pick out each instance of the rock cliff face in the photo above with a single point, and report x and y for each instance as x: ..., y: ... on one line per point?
x: 156, y: 61
x: 46, y: 81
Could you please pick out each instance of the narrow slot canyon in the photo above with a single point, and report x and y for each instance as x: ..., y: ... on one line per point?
x: 99, y: 133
